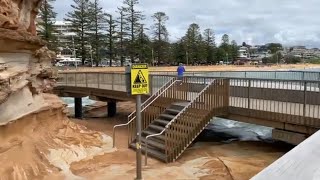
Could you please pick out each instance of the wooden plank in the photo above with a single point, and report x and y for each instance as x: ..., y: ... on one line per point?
x: 262, y: 122
x: 289, y: 137
x: 300, y: 129
x: 283, y: 95
x: 278, y: 117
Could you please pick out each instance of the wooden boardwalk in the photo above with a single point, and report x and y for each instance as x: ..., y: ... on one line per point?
x: 292, y: 107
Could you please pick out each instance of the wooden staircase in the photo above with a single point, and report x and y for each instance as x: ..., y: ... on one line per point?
x: 171, y: 123
x: 156, y: 145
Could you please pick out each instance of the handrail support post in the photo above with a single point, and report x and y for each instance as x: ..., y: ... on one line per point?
x: 146, y: 153
x: 304, y: 99
x: 249, y: 86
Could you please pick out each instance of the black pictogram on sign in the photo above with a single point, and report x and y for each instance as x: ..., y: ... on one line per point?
x: 140, y: 79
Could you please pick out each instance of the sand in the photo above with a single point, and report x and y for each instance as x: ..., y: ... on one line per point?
x: 197, y: 68
x: 47, y: 145
x: 44, y: 144
x: 213, y: 160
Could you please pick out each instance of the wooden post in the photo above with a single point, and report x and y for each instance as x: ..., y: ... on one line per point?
x: 112, y: 108
x: 304, y: 100
x: 86, y: 79
x: 78, y: 108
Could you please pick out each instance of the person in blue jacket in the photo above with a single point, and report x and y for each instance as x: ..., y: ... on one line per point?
x: 180, y: 71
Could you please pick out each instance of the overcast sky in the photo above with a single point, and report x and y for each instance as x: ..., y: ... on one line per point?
x: 290, y: 22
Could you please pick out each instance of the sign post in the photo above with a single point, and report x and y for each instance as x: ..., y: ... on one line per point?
x: 139, y: 86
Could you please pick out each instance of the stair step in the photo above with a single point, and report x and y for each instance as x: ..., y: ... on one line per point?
x: 157, y: 128
x: 173, y: 111
x: 147, y: 133
x: 180, y: 105
x: 153, y: 143
x: 167, y: 116
x: 161, y: 122
x: 151, y: 152
x: 176, y: 107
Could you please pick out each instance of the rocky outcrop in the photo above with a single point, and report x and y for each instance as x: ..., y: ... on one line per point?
x: 36, y: 137
x: 28, y: 74
x: 19, y: 14
x: 47, y: 142
x: 25, y: 62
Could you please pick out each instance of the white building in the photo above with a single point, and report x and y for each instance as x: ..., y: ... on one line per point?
x: 64, y: 33
x: 303, y: 52
x: 298, y: 51
x: 259, y: 52
x: 243, y: 52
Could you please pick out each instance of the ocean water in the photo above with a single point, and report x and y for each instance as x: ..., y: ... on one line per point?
x: 70, y: 101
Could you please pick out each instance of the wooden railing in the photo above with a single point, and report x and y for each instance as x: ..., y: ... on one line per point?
x: 286, y: 101
x: 107, y: 81
x: 148, y: 102
x: 294, y: 102
x: 312, y: 75
x: 212, y: 101
x: 275, y: 75
x: 148, y: 110
x: 184, y: 90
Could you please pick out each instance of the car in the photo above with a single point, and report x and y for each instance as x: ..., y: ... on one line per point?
x: 59, y: 64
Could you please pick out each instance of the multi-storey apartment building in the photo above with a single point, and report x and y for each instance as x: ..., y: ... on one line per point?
x: 64, y: 33
x: 303, y: 52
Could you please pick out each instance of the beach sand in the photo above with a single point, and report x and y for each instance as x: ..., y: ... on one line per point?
x: 203, y: 160
x: 199, y: 68
x: 47, y: 145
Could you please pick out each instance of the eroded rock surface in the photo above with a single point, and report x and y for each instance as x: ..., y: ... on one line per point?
x: 19, y: 14
x: 27, y: 75
x: 25, y: 62
x: 47, y: 142
x: 36, y: 137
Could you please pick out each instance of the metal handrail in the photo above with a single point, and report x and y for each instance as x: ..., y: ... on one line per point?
x: 260, y: 79
x: 205, y: 76
x: 155, y: 96
x: 210, y: 71
x: 173, y: 120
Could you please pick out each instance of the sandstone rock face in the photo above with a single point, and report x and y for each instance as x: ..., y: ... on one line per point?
x: 28, y: 74
x: 19, y: 14
x: 25, y: 63
x: 46, y: 143
x: 36, y: 137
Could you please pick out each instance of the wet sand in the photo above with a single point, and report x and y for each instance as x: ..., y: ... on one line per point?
x: 203, y: 160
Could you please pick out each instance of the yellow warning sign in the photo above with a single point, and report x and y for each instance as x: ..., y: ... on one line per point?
x: 139, y: 79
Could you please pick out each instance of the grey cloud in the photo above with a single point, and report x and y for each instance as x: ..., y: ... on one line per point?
x: 290, y: 22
